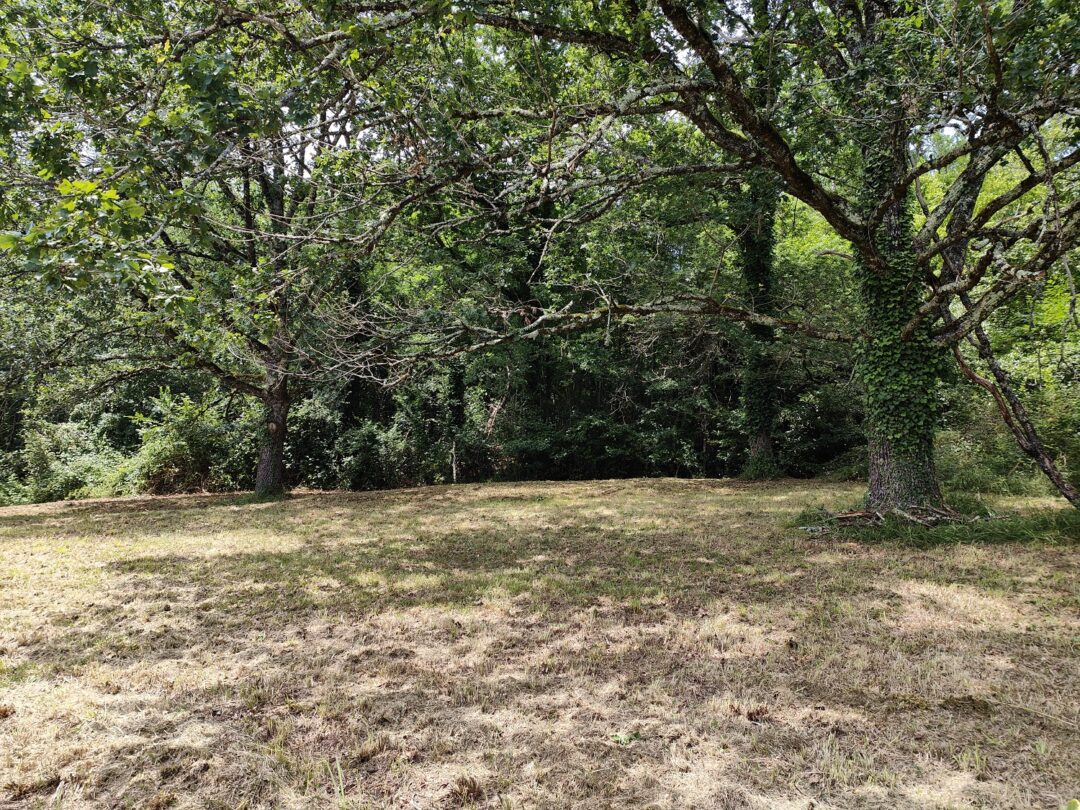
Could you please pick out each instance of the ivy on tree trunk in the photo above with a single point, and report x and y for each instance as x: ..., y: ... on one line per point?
x: 899, y: 375
x: 754, y: 221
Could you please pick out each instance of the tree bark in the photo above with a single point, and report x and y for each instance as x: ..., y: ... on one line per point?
x: 758, y: 385
x: 899, y: 380
x: 901, y: 475
x: 755, y: 220
x: 761, y: 464
x: 899, y: 374
x: 270, y: 474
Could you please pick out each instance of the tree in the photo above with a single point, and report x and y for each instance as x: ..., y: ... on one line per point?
x: 230, y: 171
x: 893, y: 96
x: 754, y: 223
x: 240, y: 173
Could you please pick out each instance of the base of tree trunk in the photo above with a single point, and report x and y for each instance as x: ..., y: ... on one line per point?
x: 902, y: 479
x: 863, y: 518
x: 921, y: 515
x: 270, y: 475
x: 761, y: 463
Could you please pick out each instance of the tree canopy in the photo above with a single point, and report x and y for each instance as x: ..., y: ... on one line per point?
x: 673, y: 235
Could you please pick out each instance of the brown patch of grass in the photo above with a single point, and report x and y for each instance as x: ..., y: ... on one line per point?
x: 656, y: 643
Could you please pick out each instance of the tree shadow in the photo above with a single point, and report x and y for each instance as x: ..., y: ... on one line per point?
x: 553, y: 655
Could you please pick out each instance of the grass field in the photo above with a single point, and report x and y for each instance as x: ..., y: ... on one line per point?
x: 622, y: 644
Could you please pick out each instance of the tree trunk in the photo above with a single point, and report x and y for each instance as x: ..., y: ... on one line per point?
x: 899, y: 375
x: 901, y: 475
x: 755, y: 223
x: 761, y: 464
x: 899, y: 380
x: 759, y: 405
x: 270, y: 475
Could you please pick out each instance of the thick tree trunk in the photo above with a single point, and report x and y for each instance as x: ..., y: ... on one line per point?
x: 761, y: 463
x: 901, y: 474
x: 755, y: 221
x: 270, y: 475
x: 899, y: 379
x: 759, y: 405
x: 899, y: 375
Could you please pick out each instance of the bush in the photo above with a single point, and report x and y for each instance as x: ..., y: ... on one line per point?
x: 310, y: 447
x: 182, y: 445
x: 967, y: 463
x: 12, y: 490
x: 234, y: 463
x: 979, y: 454
x: 67, y: 460
x: 374, y: 456
x: 820, y: 433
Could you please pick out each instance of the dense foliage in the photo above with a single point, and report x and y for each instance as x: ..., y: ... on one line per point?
x: 358, y: 245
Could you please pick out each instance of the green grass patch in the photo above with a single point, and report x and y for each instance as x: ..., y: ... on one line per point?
x: 1049, y: 528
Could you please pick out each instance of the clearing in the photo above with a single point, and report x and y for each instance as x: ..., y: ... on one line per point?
x: 622, y: 644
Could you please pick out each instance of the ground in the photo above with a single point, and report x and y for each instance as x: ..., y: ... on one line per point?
x: 622, y: 644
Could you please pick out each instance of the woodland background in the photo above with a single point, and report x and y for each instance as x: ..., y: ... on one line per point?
x: 364, y: 216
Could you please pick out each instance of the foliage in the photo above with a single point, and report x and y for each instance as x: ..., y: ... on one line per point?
x: 976, y: 452
x: 12, y: 490
x: 184, y: 447
x: 417, y: 242
x: 67, y: 460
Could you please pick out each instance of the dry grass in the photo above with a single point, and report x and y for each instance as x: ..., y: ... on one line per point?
x: 663, y: 644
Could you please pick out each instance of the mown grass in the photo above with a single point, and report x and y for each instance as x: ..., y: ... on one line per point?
x: 657, y: 643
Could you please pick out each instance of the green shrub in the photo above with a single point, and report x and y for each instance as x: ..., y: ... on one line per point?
x: 67, y: 460
x: 310, y: 447
x: 234, y: 462
x: 819, y: 433
x: 182, y: 443
x: 12, y: 490
x: 979, y: 454
x: 371, y: 456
